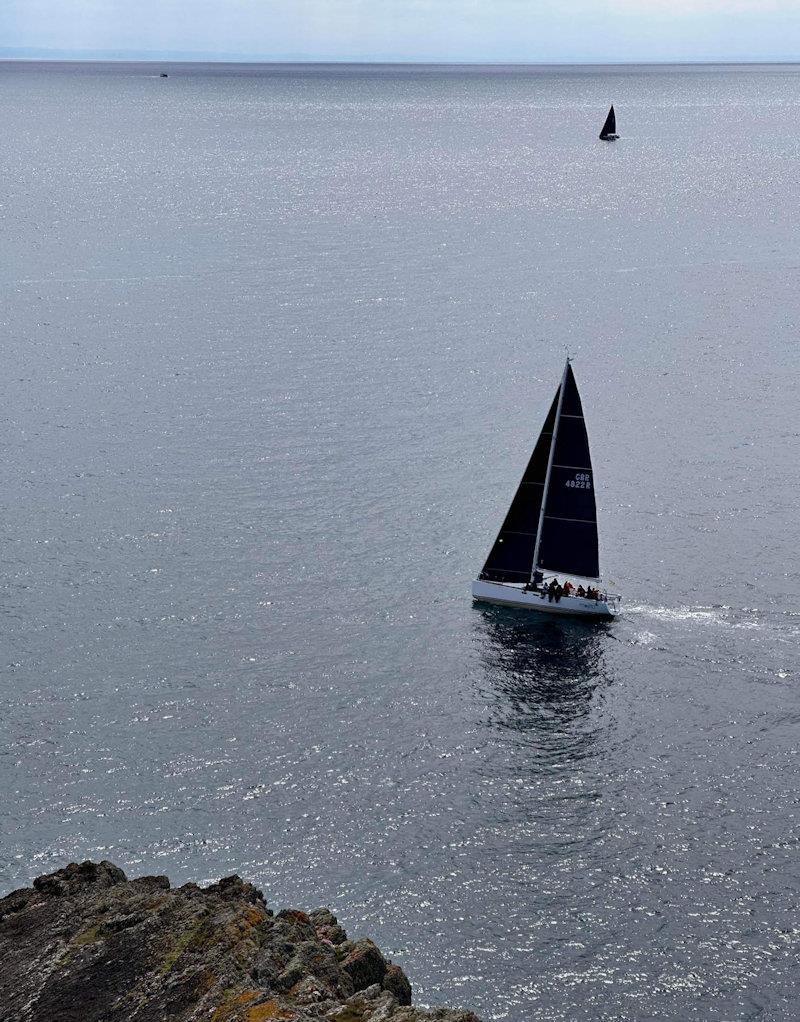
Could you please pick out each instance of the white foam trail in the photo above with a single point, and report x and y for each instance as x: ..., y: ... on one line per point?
x: 711, y: 614
x: 719, y: 616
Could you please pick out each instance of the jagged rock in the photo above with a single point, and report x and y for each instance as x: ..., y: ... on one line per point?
x: 370, y: 993
x: 234, y: 887
x: 327, y: 926
x: 364, y: 964
x: 310, y: 991
x: 384, y: 1007
x: 76, y: 875
x: 85, y: 944
x: 396, y: 981
x: 311, y: 958
x: 370, y: 1005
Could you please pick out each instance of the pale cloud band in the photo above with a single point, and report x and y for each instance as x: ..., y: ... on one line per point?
x: 470, y: 30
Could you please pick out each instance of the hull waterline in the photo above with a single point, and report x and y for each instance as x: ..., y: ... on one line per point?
x: 510, y: 595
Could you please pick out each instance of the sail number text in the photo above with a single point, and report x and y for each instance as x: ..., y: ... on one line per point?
x: 582, y: 481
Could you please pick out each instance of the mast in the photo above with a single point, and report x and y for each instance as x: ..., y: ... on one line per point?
x: 548, y: 473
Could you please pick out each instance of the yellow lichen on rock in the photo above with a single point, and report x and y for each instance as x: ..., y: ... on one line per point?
x: 86, y: 942
x: 267, y: 1011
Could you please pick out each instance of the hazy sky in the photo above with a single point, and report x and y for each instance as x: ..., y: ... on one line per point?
x: 524, y: 30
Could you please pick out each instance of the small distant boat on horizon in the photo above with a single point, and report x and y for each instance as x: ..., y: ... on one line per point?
x: 163, y: 75
x: 549, y: 535
x: 609, y: 131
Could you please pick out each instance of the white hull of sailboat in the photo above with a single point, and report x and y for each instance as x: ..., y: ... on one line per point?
x: 511, y: 595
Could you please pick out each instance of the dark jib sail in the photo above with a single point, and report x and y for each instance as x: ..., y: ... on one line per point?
x: 511, y: 558
x: 610, y: 127
x: 568, y: 541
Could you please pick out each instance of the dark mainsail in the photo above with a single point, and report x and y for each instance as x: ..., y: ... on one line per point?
x: 568, y: 540
x: 610, y: 127
x: 511, y: 557
x: 565, y: 530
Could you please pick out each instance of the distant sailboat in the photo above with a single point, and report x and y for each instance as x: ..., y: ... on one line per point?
x: 551, y: 527
x: 609, y: 132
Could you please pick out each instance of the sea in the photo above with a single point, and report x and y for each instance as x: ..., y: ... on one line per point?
x: 276, y: 345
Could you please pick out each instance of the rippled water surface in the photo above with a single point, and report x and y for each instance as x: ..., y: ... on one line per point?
x: 275, y: 349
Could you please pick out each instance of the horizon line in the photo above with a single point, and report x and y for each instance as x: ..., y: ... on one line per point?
x: 152, y: 57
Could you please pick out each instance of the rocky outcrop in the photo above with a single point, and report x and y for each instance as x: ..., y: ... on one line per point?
x: 86, y: 944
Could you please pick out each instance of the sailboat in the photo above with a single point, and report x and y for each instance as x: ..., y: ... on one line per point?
x: 609, y: 130
x: 549, y: 536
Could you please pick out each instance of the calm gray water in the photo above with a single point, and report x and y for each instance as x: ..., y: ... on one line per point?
x: 275, y: 347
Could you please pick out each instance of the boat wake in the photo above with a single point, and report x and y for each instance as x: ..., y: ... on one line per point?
x: 720, y: 615
x: 781, y: 625
x: 694, y: 634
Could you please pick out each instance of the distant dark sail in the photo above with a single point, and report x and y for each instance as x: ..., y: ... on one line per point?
x: 568, y: 542
x: 610, y: 127
x: 511, y: 558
